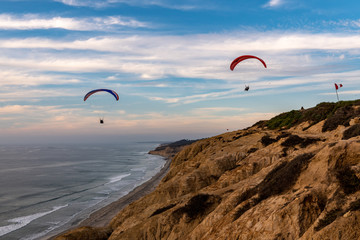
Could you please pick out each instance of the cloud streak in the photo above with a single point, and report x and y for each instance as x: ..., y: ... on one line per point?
x: 231, y: 42
x: 197, y: 56
x: 289, y: 56
x: 30, y: 21
x: 185, y: 5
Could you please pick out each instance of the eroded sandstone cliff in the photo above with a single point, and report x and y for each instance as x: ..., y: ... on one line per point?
x: 294, y: 177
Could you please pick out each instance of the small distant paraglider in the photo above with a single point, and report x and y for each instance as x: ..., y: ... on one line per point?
x: 112, y: 92
x: 237, y: 60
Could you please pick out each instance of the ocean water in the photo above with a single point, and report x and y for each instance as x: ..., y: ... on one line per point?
x: 45, y: 189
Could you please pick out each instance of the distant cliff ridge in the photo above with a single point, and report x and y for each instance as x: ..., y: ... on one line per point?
x: 295, y: 176
x: 170, y: 149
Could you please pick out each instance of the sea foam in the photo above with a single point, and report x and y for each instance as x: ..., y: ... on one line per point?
x: 118, y: 178
x: 20, y: 222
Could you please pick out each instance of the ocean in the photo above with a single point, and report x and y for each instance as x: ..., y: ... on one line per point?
x: 45, y: 189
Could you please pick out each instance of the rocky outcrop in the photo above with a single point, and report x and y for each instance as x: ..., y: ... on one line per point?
x: 294, y: 181
x: 169, y: 150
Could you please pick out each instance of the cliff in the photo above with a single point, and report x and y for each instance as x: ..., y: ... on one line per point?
x: 169, y: 150
x: 296, y: 176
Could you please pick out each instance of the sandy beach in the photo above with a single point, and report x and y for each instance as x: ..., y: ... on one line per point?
x: 103, y: 216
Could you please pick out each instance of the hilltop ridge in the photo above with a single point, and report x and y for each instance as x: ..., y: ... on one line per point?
x: 295, y: 176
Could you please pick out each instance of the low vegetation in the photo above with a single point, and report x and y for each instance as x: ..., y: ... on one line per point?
x: 284, y: 176
x: 180, y: 143
x: 352, y: 131
x: 335, y: 114
x: 294, y: 140
x: 198, y: 205
x: 348, y: 180
x: 267, y: 140
x: 252, y: 150
x: 279, y: 180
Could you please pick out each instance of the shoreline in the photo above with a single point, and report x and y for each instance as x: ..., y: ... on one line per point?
x: 103, y: 216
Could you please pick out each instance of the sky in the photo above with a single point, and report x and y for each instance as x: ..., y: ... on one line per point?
x: 169, y: 63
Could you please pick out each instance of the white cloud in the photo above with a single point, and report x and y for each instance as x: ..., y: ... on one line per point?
x: 274, y: 3
x: 349, y: 23
x: 90, y: 3
x: 293, y: 59
x: 107, y: 3
x: 22, y: 78
x: 27, y: 22
x: 156, y: 47
x: 25, y: 109
x: 340, y: 92
x: 197, y: 56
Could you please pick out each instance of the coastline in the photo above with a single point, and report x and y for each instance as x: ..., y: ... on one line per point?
x: 103, y: 216
x: 100, y: 219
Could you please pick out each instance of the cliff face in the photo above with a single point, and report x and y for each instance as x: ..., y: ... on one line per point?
x: 298, y: 181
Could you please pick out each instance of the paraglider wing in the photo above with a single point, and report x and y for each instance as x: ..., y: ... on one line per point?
x: 101, y: 90
x: 242, y: 58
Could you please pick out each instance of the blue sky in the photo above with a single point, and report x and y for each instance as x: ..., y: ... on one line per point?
x: 169, y: 63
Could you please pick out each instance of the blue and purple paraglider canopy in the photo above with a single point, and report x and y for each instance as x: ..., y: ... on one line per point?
x: 112, y: 92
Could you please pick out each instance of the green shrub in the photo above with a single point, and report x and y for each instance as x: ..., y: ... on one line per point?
x: 341, y: 116
x: 334, y: 113
x: 287, y: 120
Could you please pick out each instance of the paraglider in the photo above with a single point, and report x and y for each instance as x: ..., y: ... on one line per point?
x: 237, y: 60
x: 112, y: 92
x: 242, y: 58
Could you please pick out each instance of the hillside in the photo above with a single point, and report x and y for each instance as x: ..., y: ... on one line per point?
x: 296, y: 176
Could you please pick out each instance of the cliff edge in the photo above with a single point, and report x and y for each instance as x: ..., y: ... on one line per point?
x: 295, y: 176
x: 169, y: 150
